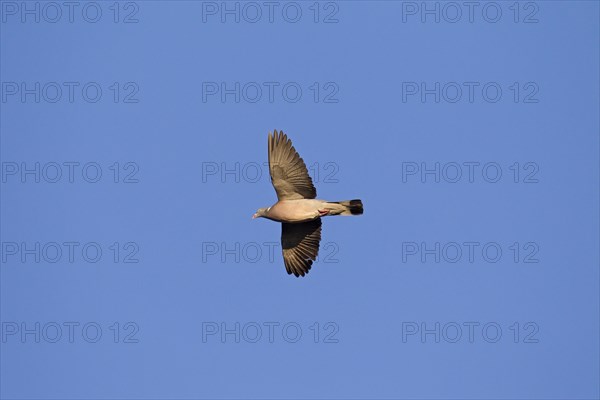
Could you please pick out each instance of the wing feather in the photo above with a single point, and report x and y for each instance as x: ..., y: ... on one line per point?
x: 289, y: 175
x: 300, y: 243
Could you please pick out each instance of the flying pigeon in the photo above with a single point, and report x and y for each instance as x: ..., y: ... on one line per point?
x: 297, y: 208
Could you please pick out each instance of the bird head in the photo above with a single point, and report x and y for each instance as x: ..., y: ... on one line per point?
x: 261, y: 212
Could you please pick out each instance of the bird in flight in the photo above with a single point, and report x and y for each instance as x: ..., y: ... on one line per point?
x: 297, y: 208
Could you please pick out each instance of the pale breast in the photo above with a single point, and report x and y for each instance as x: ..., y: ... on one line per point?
x: 295, y: 210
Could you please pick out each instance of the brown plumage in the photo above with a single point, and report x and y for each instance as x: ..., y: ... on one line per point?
x: 300, y: 243
x: 297, y: 209
x: 289, y: 175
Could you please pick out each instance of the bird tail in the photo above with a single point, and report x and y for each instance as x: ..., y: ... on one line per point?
x: 346, y: 207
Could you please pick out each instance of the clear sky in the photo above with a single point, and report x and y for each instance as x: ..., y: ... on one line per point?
x: 133, y: 143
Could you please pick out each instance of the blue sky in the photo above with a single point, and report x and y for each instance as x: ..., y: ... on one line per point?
x: 133, y: 143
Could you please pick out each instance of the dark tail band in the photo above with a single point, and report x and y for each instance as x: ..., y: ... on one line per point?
x: 353, y: 207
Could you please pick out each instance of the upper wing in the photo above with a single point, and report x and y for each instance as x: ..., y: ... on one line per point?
x: 300, y: 243
x: 288, y: 172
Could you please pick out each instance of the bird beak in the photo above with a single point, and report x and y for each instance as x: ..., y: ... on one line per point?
x: 254, y: 216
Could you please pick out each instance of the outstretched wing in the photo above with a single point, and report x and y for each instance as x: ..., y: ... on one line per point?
x: 289, y: 175
x: 300, y: 243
